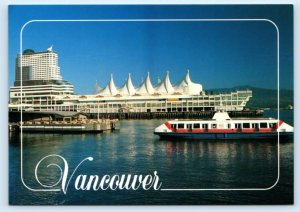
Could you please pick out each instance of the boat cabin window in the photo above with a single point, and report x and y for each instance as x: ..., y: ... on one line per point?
x: 213, y: 126
x: 196, y: 126
x: 204, y: 126
x: 264, y: 125
x: 174, y: 126
x: 272, y: 125
x: 180, y: 125
x: 255, y: 125
x: 238, y: 125
x: 246, y: 125
x: 228, y: 126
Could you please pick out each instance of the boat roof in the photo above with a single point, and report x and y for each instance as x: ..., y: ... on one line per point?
x: 224, y: 116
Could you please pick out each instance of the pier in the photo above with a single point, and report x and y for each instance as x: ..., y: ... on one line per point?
x: 175, y: 115
x: 62, y: 123
x: 30, y: 115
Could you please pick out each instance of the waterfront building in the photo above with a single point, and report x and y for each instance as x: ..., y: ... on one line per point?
x: 44, y: 90
x: 37, y: 66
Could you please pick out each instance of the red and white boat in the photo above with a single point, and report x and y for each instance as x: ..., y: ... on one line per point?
x: 221, y: 126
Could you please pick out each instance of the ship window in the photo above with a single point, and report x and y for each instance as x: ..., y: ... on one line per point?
x: 204, y: 126
x: 196, y: 126
x: 238, y: 125
x: 272, y: 125
x: 255, y: 125
x: 229, y: 126
x: 173, y: 126
x: 214, y: 126
x: 180, y: 126
x: 264, y: 125
x: 246, y: 125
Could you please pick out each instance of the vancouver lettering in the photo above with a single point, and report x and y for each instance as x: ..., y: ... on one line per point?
x: 95, y: 182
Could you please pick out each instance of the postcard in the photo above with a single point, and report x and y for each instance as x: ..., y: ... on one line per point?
x: 151, y: 105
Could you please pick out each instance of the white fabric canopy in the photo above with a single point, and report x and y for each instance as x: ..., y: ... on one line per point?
x: 186, y: 86
x: 146, y: 87
x: 110, y: 89
x: 128, y: 88
x: 165, y: 87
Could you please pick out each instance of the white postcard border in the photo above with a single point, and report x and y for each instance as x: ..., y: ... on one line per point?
x: 158, y: 20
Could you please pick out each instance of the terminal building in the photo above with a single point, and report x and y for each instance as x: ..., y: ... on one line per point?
x: 39, y: 86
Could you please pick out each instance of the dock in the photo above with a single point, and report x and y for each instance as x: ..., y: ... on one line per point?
x: 175, y: 115
x: 77, y: 123
x: 15, y: 116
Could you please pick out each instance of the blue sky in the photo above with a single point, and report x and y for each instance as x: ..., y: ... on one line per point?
x: 218, y: 54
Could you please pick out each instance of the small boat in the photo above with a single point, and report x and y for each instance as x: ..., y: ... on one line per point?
x: 221, y: 126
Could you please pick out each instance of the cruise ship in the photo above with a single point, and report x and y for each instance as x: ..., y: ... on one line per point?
x: 39, y: 86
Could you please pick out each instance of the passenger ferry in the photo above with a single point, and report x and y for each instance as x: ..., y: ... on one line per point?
x: 221, y: 126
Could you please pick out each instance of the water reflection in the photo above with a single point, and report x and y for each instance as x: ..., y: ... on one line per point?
x: 135, y: 149
x: 222, y: 161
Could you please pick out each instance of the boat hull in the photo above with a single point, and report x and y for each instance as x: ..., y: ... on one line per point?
x: 224, y: 136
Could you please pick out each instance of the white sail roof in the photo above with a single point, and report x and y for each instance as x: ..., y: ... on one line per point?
x: 110, y: 89
x: 165, y: 87
x: 186, y: 86
x: 146, y: 87
x: 128, y: 88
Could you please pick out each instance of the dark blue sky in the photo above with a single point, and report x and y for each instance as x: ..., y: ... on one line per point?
x: 218, y: 54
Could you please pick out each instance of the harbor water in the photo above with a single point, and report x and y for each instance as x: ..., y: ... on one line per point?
x: 134, y: 149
